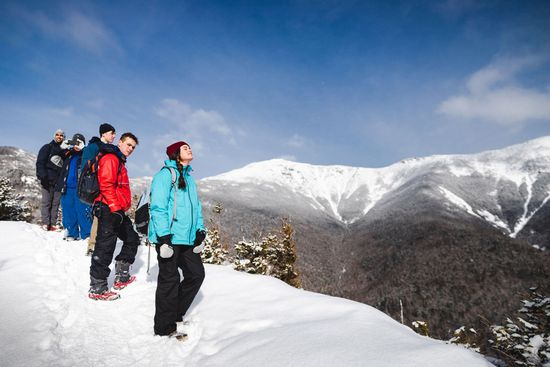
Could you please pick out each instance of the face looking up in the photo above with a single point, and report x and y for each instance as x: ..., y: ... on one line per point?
x: 186, y: 154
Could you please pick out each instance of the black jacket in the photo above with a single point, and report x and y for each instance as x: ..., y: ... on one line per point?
x: 45, y: 166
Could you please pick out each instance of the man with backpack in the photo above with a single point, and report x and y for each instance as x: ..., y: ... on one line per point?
x: 107, y: 135
x: 48, y: 169
x: 113, y: 201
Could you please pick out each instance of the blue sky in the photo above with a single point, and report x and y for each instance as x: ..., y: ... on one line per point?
x: 358, y: 83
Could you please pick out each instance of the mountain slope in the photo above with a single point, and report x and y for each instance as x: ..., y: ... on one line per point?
x: 237, y: 319
x: 19, y: 167
x: 452, y: 236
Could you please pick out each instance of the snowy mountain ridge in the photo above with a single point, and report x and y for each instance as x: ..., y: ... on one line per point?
x: 329, y: 187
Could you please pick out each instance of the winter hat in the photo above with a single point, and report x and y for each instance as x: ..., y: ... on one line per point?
x: 58, y: 131
x: 80, y: 137
x: 104, y: 128
x: 171, y: 149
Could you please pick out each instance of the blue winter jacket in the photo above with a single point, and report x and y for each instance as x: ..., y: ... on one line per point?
x: 90, y: 151
x: 188, y: 209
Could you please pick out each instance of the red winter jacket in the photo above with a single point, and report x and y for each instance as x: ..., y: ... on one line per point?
x: 114, y: 186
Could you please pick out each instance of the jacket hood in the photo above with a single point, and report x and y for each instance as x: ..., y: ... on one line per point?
x: 94, y: 139
x: 111, y: 149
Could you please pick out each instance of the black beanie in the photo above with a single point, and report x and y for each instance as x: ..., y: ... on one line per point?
x: 103, y: 128
x: 80, y: 137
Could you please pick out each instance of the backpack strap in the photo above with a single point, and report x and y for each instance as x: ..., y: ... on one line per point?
x: 94, y: 166
x: 174, y: 188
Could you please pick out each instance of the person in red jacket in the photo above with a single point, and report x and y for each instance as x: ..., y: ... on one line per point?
x: 113, y: 201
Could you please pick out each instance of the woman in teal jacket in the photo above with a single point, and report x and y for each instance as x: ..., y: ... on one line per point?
x: 176, y: 233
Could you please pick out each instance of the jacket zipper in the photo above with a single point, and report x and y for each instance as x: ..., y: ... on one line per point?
x: 190, y: 203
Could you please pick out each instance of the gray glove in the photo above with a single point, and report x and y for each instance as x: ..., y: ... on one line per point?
x: 166, y: 251
x: 198, y: 245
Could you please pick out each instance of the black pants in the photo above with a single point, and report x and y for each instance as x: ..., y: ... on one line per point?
x: 109, y: 227
x: 173, y: 298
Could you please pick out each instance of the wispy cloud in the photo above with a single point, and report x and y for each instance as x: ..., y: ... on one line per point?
x: 193, y: 120
x: 205, y: 130
x: 73, y: 26
x: 296, y: 141
x: 96, y: 104
x: 493, y: 94
x: 456, y: 8
x: 64, y: 111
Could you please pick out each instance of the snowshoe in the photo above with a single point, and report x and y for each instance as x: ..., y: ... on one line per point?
x: 103, y: 296
x: 121, y: 284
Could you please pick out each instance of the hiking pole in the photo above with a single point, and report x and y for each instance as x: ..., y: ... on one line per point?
x: 148, y: 254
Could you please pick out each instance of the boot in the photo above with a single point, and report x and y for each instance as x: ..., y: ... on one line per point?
x: 122, y: 275
x: 122, y: 271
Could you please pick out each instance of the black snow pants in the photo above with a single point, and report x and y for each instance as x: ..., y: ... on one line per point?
x: 174, y: 297
x: 109, y: 227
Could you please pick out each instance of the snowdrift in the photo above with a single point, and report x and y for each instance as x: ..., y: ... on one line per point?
x: 236, y: 320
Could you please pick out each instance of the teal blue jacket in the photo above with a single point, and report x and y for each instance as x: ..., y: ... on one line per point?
x: 188, y: 207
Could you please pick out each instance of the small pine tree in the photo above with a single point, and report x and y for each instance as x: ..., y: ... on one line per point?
x: 288, y: 255
x: 526, y: 342
x: 251, y: 257
x: 466, y: 337
x: 214, y: 251
x: 272, y: 256
x: 12, y: 206
x: 421, y: 327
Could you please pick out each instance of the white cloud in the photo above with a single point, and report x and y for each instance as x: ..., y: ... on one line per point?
x: 194, y: 122
x: 493, y: 94
x: 296, y: 141
x: 205, y: 130
x: 82, y: 30
x: 97, y: 104
x: 64, y: 112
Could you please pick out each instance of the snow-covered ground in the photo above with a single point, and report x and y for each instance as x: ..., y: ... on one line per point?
x: 237, y: 319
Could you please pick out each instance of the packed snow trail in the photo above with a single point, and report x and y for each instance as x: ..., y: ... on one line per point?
x: 237, y: 319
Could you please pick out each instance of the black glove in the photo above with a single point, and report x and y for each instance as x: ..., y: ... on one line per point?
x: 199, y: 237
x: 45, y: 183
x: 165, y: 240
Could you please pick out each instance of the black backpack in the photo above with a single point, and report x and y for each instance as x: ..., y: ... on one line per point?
x: 142, y: 214
x: 88, y: 184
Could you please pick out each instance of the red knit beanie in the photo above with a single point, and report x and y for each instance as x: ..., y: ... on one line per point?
x: 171, y: 149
